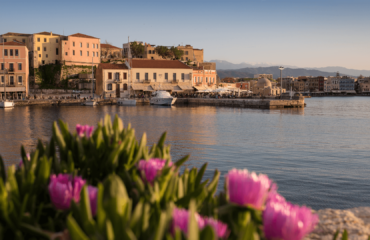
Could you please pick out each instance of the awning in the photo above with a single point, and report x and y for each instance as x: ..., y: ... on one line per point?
x: 163, y: 87
x: 335, y: 91
x: 142, y: 87
x: 200, y: 88
x: 186, y: 86
x: 13, y: 89
x: 350, y: 91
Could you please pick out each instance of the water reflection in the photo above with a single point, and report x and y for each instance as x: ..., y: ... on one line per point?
x: 317, y: 155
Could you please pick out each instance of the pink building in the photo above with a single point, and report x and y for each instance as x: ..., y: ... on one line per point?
x: 204, y: 79
x: 14, y: 70
x: 80, y: 49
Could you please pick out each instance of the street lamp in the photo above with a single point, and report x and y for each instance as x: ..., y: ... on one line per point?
x: 281, y: 81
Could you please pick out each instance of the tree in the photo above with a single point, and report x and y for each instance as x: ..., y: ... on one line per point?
x: 360, y: 77
x: 163, y: 51
x: 137, y: 49
x: 176, y: 53
x: 107, y: 48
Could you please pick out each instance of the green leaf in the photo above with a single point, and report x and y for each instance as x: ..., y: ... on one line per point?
x: 208, y: 233
x: 193, y: 231
x: 161, y: 227
x: 2, y: 169
x: 345, y: 235
x: 336, y: 235
x: 247, y: 233
x: 58, y: 137
x: 75, y: 231
x: 161, y: 140
x: 117, y: 124
x: 181, y: 161
x: 200, y: 174
x: 33, y: 231
x: 110, y: 231
x: 86, y: 215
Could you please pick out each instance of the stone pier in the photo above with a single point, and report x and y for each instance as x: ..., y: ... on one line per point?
x: 297, y: 102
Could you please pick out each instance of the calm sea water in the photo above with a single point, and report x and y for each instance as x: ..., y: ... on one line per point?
x: 318, y: 156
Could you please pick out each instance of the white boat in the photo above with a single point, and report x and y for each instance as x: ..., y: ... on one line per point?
x: 90, y: 103
x: 6, y: 104
x: 162, y: 98
x: 126, y: 102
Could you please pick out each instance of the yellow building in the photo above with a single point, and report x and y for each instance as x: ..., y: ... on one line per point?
x: 45, y: 48
x: 192, y: 54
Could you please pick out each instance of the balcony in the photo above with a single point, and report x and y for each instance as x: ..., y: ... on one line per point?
x: 147, y: 80
x: 198, y: 84
x: 117, y: 80
x: 175, y: 80
x: 11, y: 70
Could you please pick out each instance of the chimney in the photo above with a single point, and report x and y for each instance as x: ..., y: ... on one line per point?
x: 51, y: 33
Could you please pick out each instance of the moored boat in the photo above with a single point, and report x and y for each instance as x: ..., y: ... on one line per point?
x: 162, y: 98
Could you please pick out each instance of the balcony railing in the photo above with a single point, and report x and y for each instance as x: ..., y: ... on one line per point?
x: 11, y: 70
x: 175, y: 80
x: 198, y: 84
x: 117, y: 80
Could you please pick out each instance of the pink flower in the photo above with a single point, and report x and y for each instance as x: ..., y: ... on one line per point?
x: 93, y: 196
x: 283, y: 220
x: 151, y: 168
x: 20, y: 164
x: 63, y: 188
x: 219, y: 227
x: 246, y: 188
x: 84, y: 131
x: 181, y: 220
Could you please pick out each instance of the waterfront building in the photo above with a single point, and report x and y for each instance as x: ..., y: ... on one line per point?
x: 80, y: 49
x: 111, y: 79
x: 192, y: 54
x: 243, y: 85
x: 364, y: 86
x: 44, y: 48
x: 264, y: 87
x: 14, y: 71
x: 287, y: 82
x: 110, y: 51
x: 169, y: 75
x: 347, y: 84
x: 204, y: 79
x: 315, y: 84
x: 268, y: 76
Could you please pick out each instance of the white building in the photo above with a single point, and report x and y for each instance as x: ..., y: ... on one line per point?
x: 268, y: 76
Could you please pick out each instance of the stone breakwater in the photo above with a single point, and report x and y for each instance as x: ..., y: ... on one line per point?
x: 356, y: 221
x: 297, y: 102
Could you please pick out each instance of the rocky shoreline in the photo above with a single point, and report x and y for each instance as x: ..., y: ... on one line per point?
x: 355, y: 220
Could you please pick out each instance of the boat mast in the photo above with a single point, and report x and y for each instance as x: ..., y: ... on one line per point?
x: 4, y: 71
x: 92, y: 74
x: 129, y: 67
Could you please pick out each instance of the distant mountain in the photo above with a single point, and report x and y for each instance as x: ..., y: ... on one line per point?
x: 249, y: 72
x: 225, y: 65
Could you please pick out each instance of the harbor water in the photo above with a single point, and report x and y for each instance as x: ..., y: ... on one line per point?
x: 319, y: 156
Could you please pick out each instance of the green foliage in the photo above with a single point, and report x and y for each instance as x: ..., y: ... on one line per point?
x: 163, y: 51
x: 48, y: 74
x: 137, y: 49
x: 176, y: 53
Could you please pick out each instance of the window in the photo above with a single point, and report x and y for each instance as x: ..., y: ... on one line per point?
x: 93, y: 54
x: 166, y: 76
x: 20, y: 79
x: 206, y: 79
x: 109, y: 75
x: 137, y: 76
x: 109, y: 86
x: 80, y: 53
x: 150, y: 51
x: 187, y: 58
x: 44, y: 48
x: 5, y: 52
x: 2, y: 79
x: 87, y: 53
x: 146, y: 76
x: 11, y: 80
x: 213, y: 80
x: 201, y: 79
x: 38, y: 39
x: 56, y: 40
x: 155, y: 76
x: 153, y: 51
x: 43, y: 62
x: 195, y: 79
x: 24, y: 40
x: 57, y: 51
x: 73, y: 43
x: 80, y: 44
x: 124, y: 75
x: 19, y: 66
x: 11, y: 66
x: 44, y: 39
x: 182, y: 76
x: 73, y: 52
x: 39, y: 55
x: 93, y: 45
x: 47, y: 56
x: 97, y: 54
x: 38, y: 48
x: 116, y: 76
x: 174, y: 76
x: 2, y: 66
x: 186, y: 52
x: 11, y: 52
x: 97, y: 46
x: 4, y: 40
x: 87, y: 45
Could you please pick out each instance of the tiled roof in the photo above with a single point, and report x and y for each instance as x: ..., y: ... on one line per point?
x: 112, y: 66
x: 16, y: 34
x: 82, y: 35
x: 102, y: 45
x: 12, y: 44
x: 47, y: 33
x: 144, y: 63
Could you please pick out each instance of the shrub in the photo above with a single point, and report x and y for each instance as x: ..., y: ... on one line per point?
x: 105, y: 184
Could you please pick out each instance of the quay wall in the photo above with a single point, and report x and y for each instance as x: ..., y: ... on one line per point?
x: 245, y: 103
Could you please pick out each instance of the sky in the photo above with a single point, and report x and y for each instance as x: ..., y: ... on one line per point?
x: 302, y: 33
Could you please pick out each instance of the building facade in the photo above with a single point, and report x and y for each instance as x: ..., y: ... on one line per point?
x: 192, y: 54
x: 264, y: 87
x: 110, y: 51
x: 80, y: 49
x: 204, y: 79
x: 111, y: 79
x: 268, y: 76
x: 364, y: 86
x: 347, y: 84
x: 45, y: 48
x: 14, y: 70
